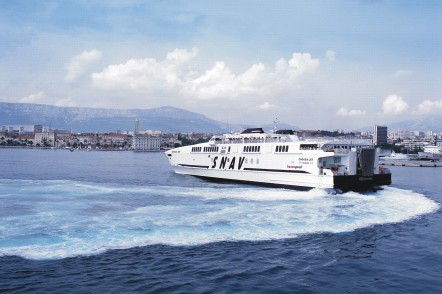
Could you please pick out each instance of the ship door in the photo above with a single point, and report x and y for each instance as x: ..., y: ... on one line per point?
x: 225, y: 150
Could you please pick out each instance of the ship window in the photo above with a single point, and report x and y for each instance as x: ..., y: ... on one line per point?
x: 308, y: 146
x: 259, y: 148
x: 229, y: 148
x: 251, y: 160
x: 257, y: 161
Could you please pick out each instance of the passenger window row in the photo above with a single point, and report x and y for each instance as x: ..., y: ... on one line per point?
x: 282, y: 148
x: 196, y: 149
x: 210, y: 149
x: 252, y: 148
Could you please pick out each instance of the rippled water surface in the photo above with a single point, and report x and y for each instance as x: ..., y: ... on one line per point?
x: 124, y: 222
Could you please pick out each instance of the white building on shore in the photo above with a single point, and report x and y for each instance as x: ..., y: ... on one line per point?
x: 45, y: 138
x: 144, y: 142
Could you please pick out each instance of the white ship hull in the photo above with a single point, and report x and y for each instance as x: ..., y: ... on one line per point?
x: 281, y: 161
x: 269, y: 178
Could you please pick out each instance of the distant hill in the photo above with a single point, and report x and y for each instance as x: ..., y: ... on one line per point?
x: 82, y: 119
x: 429, y: 123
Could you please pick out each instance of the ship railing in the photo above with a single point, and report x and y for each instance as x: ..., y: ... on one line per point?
x: 250, y: 140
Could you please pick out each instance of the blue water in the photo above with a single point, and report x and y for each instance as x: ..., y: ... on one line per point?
x: 124, y: 222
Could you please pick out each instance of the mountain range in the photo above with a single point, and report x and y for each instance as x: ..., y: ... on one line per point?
x: 83, y: 119
x: 166, y: 119
x: 429, y: 123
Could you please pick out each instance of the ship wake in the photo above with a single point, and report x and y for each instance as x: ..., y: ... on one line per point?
x: 59, y: 219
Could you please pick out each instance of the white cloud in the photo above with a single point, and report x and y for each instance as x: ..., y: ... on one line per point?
x: 217, y: 82
x: 79, y: 64
x: 33, y: 98
x: 265, y: 106
x: 428, y: 106
x: 170, y: 76
x: 402, y: 73
x: 330, y: 55
x: 67, y: 102
x: 146, y: 74
x: 302, y: 63
x: 182, y: 55
x: 394, y: 104
x: 353, y: 112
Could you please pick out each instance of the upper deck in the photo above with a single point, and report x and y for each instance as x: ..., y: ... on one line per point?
x: 258, y: 136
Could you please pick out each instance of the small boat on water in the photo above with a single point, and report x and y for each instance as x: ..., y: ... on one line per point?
x: 281, y: 159
x: 396, y: 156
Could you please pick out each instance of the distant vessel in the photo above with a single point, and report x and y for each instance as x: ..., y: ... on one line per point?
x: 396, y: 156
x: 281, y: 159
x: 431, y: 153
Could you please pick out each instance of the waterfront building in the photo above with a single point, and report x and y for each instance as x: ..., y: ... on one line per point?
x: 115, y: 138
x: 145, y: 142
x: 45, y: 138
x: 86, y: 140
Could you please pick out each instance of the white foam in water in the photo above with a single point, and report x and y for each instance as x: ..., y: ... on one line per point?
x: 58, y: 219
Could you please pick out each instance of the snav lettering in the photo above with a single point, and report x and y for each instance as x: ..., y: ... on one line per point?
x: 228, y: 163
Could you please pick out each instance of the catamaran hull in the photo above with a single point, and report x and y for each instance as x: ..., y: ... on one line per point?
x: 296, y: 181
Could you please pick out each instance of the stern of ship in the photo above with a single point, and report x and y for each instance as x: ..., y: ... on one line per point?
x: 368, y: 177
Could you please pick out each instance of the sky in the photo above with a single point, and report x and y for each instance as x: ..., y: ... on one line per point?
x: 335, y: 64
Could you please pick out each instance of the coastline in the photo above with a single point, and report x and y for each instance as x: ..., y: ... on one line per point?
x: 68, y: 149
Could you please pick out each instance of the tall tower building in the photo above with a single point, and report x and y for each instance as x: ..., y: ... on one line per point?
x: 137, y: 126
x: 380, y: 135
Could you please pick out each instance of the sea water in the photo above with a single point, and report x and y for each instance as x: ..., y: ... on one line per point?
x: 124, y: 222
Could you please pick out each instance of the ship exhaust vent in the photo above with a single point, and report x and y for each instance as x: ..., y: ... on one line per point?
x: 366, y: 161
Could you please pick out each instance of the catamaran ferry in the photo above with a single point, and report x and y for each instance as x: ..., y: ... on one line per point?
x: 281, y: 159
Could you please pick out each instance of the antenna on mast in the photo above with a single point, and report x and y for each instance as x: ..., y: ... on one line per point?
x: 275, y: 125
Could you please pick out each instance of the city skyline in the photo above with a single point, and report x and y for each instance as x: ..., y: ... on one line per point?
x: 320, y: 65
